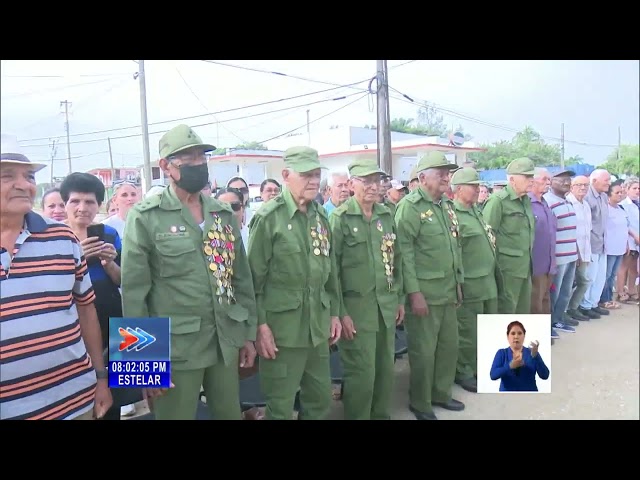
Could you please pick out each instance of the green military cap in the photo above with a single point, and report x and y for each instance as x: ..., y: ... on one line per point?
x: 465, y: 176
x: 413, y: 175
x: 179, y: 139
x: 521, y: 166
x: 302, y: 159
x: 500, y: 183
x: 364, y: 167
x: 435, y: 159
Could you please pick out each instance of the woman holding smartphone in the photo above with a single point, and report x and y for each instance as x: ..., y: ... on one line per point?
x: 83, y: 195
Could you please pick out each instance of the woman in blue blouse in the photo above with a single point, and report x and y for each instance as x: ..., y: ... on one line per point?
x: 516, y: 366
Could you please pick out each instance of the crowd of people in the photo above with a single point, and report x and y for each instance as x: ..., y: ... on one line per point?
x: 340, y: 262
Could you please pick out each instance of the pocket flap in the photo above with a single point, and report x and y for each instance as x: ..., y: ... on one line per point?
x: 282, y: 303
x: 173, y: 248
x: 238, y: 313
x: 288, y: 247
x: 428, y: 275
x: 185, y: 324
x: 510, y: 252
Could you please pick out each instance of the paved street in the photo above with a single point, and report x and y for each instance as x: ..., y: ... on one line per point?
x: 595, y: 377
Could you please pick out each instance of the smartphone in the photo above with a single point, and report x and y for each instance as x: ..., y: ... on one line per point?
x: 95, y: 231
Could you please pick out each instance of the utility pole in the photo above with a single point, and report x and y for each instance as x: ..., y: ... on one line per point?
x: 145, y: 125
x: 384, y: 119
x: 308, y: 131
x: 67, y: 104
x: 562, y: 146
x: 113, y: 170
x: 54, y: 151
x: 619, y: 143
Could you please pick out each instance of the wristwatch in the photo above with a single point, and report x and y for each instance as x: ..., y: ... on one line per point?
x: 102, y: 374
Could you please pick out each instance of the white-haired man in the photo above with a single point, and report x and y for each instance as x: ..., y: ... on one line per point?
x: 338, y: 185
x: 598, y: 201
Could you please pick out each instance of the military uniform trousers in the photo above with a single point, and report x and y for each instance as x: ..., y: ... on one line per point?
x: 514, y: 295
x: 468, y: 335
x: 368, y: 367
x: 297, y: 368
x: 433, y: 354
x: 221, y: 385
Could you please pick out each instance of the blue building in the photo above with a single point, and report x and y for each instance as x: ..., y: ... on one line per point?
x: 498, y: 175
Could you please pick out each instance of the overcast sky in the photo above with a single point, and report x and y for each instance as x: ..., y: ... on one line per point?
x: 490, y: 99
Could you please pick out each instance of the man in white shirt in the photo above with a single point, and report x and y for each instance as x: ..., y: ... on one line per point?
x: 579, y: 188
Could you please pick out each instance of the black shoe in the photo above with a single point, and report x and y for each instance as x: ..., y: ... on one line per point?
x: 567, y: 320
x: 600, y: 311
x: 423, y: 415
x: 589, y: 313
x: 453, y: 405
x: 576, y: 315
x: 469, y: 384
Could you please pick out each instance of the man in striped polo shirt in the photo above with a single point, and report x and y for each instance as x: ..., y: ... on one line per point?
x: 50, y: 338
x: 566, y: 248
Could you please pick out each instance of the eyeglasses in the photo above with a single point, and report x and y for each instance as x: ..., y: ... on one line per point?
x: 236, y: 206
x: 368, y: 181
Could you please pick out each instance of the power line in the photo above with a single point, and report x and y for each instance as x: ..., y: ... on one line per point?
x: 54, y: 89
x: 408, y: 99
x: 205, y: 107
x: 315, y: 120
x: 210, y: 123
x: 66, y: 76
x: 270, y: 102
x: 402, y: 64
x: 82, y: 103
x: 280, y: 74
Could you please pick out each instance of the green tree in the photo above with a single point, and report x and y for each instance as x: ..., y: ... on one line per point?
x: 628, y: 163
x: 241, y: 146
x: 250, y: 146
x: 427, y: 123
x: 527, y: 143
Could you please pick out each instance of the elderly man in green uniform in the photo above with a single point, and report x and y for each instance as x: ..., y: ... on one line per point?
x: 432, y: 270
x: 292, y: 260
x: 370, y: 276
x: 508, y: 212
x: 183, y: 258
x: 479, y: 290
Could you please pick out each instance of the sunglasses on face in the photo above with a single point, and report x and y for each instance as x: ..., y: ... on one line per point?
x: 236, y: 206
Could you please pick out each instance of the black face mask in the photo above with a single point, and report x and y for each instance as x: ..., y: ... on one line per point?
x: 193, y: 178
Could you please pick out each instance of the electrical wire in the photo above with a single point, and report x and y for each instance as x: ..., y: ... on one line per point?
x: 408, y: 99
x: 55, y: 89
x: 315, y: 120
x: 66, y: 76
x: 270, y: 102
x: 402, y: 64
x: 280, y: 74
x: 204, y: 106
x: 208, y: 123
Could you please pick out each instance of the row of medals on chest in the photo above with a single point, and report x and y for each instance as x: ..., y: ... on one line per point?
x: 219, y: 250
